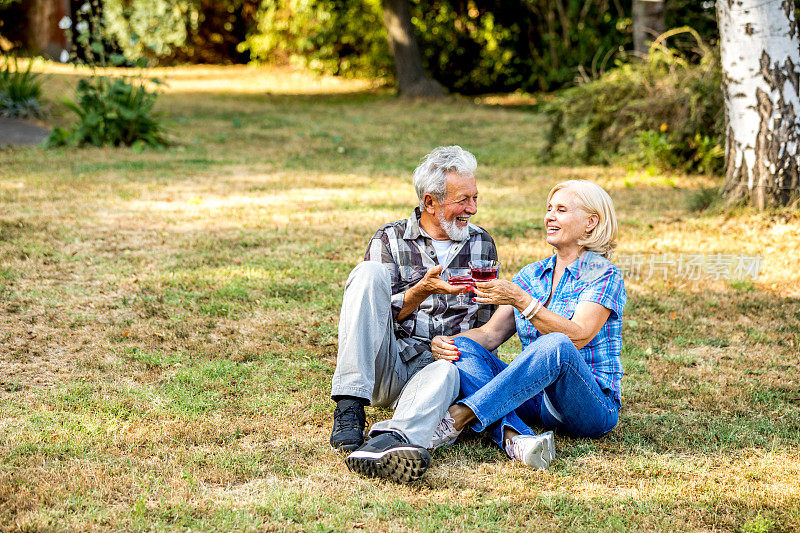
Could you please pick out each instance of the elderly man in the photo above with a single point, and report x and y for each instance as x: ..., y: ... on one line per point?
x: 394, y: 303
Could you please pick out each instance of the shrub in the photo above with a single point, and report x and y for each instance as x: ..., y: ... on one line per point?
x: 342, y: 37
x: 469, y: 46
x: 169, y: 31
x: 534, y: 45
x: 111, y: 111
x: 20, y: 90
x: 115, y: 111
x: 147, y: 27
x: 663, y: 110
x: 702, y: 199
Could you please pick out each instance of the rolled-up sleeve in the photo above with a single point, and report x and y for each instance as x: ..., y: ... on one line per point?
x: 607, y: 290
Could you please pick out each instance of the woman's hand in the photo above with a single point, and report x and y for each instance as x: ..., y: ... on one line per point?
x: 499, y: 292
x: 443, y: 347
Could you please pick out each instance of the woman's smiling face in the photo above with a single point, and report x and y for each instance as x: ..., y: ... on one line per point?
x: 565, y: 221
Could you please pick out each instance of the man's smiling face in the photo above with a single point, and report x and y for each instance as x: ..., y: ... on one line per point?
x: 460, y: 203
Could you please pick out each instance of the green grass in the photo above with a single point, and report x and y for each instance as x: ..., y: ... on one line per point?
x: 168, y: 322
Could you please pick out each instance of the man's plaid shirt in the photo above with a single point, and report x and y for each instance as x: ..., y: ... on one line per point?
x: 407, y: 252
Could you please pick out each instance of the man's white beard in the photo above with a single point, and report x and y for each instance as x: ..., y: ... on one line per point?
x: 452, y: 230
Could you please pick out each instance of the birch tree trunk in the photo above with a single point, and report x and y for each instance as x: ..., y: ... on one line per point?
x: 648, y: 23
x: 412, y: 80
x: 761, y: 84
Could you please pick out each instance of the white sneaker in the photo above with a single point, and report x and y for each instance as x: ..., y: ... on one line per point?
x: 445, y: 433
x: 533, y: 450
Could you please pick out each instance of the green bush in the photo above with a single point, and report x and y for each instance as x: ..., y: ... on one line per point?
x: 342, y: 37
x: 664, y: 110
x: 148, y: 28
x: 703, y: 199
x: 20, y: 90
x: 114, y: 111
x: 472, y: 46
x: 533, y: 45
x: 469, y: 47
x: 170, y: 31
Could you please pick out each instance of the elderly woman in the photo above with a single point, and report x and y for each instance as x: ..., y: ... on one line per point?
x: 567, y: 310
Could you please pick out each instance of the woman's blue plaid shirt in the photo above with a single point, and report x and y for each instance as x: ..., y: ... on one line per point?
x: 591, y: 278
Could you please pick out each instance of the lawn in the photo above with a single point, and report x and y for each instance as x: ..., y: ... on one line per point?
x: 168, y: 326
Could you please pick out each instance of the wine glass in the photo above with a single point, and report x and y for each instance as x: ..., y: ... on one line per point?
x: 484, y: 269
x: 459, y: 276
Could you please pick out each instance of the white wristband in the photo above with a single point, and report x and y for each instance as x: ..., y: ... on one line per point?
x: 530, y: 307
x: 539, y: 306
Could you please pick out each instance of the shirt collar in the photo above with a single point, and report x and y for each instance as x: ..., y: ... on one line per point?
x: 574, y: 268
x: 546, y: 265
x: 413, y: 229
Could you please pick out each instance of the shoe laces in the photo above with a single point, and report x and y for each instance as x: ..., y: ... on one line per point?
x: 514, y: 448
x: 348, y: 417
x: 445, y: 428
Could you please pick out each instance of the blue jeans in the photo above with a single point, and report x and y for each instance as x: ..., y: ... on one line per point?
x: 548, y: 371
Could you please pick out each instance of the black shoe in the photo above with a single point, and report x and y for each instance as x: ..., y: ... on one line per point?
x: 348, y: 425
x: 389, y: 456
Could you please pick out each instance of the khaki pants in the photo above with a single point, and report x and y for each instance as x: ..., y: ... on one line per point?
x: 368, y: 364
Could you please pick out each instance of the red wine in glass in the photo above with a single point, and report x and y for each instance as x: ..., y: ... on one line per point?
x: 484, y: 269
x: 461, y: 280
x: 484, y: 273
x: 460, y: 277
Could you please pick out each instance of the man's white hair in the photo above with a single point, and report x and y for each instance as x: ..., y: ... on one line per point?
x: 429, y: 176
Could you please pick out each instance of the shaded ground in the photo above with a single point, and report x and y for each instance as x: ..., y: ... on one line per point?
x: 17, y: 132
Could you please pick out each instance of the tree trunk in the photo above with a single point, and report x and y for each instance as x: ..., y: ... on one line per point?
x: 412, y: 81
x: 44, y: 35
x: 648, y: 23
x: 761, y: 85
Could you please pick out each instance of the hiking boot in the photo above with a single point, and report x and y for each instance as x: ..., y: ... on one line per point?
x: 445, y: 433
x: 348, y: 425
x: 389, y: 456
x: 533, y: 450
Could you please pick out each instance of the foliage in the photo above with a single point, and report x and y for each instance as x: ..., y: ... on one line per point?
x: 343, y: 37
x: 180, y: 30
x: 115, y: 111
x: 534, y: 45
x: 665, y: 109
x: 472, y: 46
x: 469, y: 47
x: 111, y: 111
x: 703, y: 198
x: 148, y: 28
x: 20, y: 89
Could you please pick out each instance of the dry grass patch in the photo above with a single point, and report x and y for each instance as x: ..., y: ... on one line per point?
x: 169, y: 327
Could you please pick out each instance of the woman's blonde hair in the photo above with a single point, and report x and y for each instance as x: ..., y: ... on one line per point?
x: 595, y: 201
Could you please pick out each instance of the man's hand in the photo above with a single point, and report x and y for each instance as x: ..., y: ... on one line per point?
x: 433, y: 283
x: 442, y: 347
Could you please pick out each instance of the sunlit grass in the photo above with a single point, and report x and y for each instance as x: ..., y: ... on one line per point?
x: 168, y: 326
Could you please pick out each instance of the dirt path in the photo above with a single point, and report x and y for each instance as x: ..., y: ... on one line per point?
x: 18, y: 132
